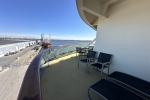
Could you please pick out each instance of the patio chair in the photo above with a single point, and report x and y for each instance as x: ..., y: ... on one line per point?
x: 90, y: 57
x: 103, y: 62
x: 132, y: 82
x: 80, y: 51
x: 90, y: 48
x: 111, y: 91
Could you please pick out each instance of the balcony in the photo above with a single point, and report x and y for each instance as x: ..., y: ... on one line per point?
x: 63, y: 80
x: 54, y: 75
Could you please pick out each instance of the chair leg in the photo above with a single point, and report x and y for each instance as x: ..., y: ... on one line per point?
x: 87, y: 66
x: 78, y: 61
x: 89, y: 94
x: 101, y: 73
x: 108, y: 70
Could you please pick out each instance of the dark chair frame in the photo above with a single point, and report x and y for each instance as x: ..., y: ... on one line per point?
x: 90, y: 57
x: 90, y: 48
x: 104, y: 64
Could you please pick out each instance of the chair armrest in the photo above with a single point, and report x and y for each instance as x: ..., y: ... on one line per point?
x: 82, y: 54
x: 92, y: 58
x: 104, y: 63
x: 84, y: 48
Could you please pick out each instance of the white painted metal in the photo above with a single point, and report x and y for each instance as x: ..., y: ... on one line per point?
x: 126, y: 35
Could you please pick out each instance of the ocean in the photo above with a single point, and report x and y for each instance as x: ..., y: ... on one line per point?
x: 67, y: 42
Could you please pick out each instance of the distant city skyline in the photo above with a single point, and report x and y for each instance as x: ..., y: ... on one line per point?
x: 31, y: 18
x: 13, y: 35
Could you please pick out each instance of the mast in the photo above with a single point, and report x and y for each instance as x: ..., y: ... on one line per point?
x: 49, y: 38
x: 42, y: 37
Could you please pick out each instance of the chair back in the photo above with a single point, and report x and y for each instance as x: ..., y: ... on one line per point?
x: 103, y: 57
x: 90, y: 48
x: 78, y: 49
x: 91, y: 54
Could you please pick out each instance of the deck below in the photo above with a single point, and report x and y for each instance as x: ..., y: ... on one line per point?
x: 11, y: 78
x: 62, y: 80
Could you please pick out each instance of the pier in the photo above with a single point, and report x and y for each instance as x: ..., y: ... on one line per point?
x: 12, y: 77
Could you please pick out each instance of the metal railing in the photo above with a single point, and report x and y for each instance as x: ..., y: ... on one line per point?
x: 63, y: 49
x: 30, y: 88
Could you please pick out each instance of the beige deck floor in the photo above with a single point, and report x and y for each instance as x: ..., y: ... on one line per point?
x: 62, y: 80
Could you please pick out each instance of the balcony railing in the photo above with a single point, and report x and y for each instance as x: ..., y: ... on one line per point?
x: 30, y: 88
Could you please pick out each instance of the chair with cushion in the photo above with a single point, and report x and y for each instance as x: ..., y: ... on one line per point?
x: 111, y: 91
x: 131, y: 81
x: 90, y: 57
x: 103, y: 62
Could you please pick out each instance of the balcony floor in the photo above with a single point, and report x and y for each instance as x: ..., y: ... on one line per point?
x: 62, y: 80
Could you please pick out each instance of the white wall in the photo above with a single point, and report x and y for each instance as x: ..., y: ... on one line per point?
x: 126, y: 35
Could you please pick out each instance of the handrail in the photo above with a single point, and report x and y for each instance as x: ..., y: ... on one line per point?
x: 30, y: 88
x: 91, y: 42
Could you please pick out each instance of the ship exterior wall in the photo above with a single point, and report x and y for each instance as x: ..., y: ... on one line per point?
x: 126, y: 35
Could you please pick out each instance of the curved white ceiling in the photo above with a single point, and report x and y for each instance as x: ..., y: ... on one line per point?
x: 93, y: 10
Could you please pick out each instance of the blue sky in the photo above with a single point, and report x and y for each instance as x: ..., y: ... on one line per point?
x: 30, y: 18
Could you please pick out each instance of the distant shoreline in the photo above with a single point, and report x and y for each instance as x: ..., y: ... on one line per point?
x: 28, y: 39
x: 69, y: 40
x: 75, y: 40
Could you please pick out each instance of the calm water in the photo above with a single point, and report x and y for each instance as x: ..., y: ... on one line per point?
x: 64, y: 42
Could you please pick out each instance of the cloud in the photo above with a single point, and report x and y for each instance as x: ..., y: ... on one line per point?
x: 14, y: 35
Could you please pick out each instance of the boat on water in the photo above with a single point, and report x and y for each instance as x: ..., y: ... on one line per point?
x: 122, y: 28
x: 45, y: 42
